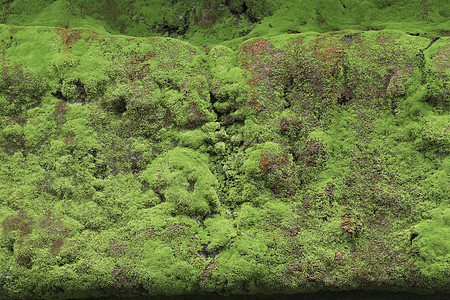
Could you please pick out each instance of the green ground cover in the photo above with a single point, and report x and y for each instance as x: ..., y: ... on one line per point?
x: 223, y: 146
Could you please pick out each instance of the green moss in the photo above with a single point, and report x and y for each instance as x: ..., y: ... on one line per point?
x: 183, y: 178
x: 219, y: 231
x: 295, y: 156
x: 433, y: 246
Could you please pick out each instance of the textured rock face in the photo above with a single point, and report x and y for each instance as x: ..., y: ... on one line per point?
x: 273, y: 164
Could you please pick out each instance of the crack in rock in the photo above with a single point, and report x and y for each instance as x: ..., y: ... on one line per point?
x: 422, y: 56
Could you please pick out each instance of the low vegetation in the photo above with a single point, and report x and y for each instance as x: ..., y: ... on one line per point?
x: 273, y: 160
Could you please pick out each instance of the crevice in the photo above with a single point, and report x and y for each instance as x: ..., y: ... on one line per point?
x: 58, y: 94
x: 234, y: 10
x: 291, y: 31
x: 191, y: 186
x: 422, y: 55
x: 202, y: 221
x: 204, y: 252
x: 375, y: 28
x: 345, y: 96
x: 81, y: 92
x: 214, y: 100
x: 344, y: 99
x: 349, y: 37
x: 244, y: 10
x: 287, y: 92
x: 120, y: 105
x: 165, y: 82
x: 160, y: 195
x: 433, y: 40
x: 230, y: 245
x: 79, y: 96
x: 145, y: 187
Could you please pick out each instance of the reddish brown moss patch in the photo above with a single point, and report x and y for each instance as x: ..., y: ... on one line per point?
x: 351, y: 224
x: 442, y: 59
x: 208, y: 270
x: 56, y: 246
x: 18, y: 222
x: 60, y: 110
x: 70, y: 139
x: 136, y: 70
x: 123, y: 277
x: 69, y: 36
x: 329, y: 52
x: 251, y: 59
x: 118, y: 249
x: 13, y: 31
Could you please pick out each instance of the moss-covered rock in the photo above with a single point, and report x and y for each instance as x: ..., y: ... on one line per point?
x: 283, y: 146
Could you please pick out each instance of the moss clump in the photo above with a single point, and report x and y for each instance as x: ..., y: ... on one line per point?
x: 182, y: 177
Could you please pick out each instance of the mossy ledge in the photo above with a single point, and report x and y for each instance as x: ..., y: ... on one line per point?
x: 275, y: 162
